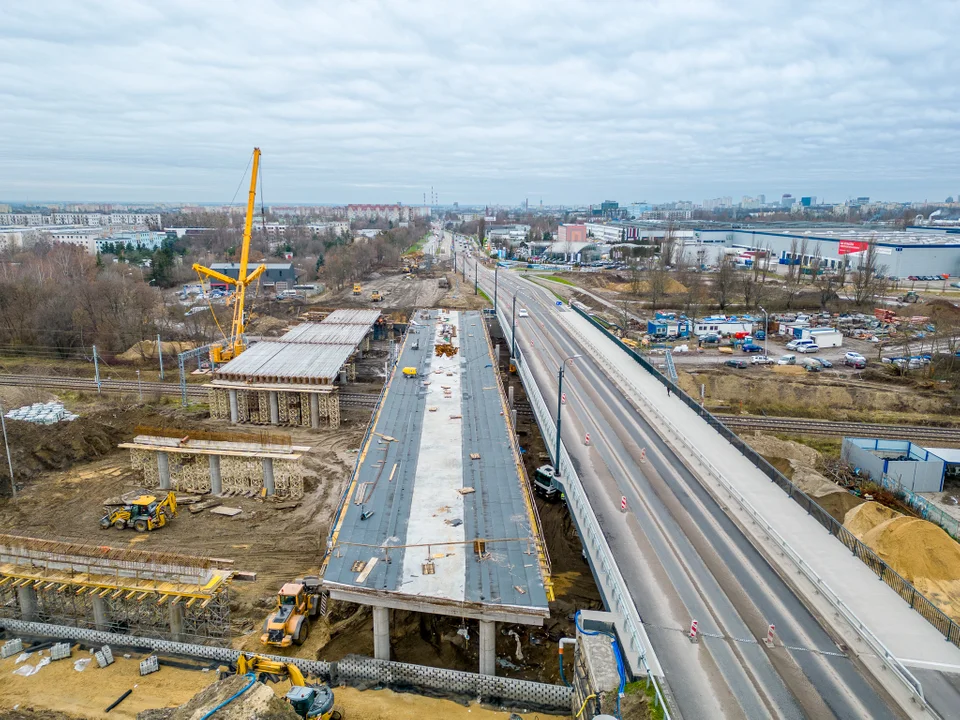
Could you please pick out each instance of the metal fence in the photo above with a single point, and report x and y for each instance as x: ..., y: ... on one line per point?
x: 923, y: 507
x: 613, y: 587
x: 520, y: 695
x: 933, y: 614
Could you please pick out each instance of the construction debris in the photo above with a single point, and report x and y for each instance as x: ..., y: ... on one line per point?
x: 228, y: 511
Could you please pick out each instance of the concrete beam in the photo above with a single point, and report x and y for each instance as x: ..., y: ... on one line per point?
x: 381, y: 632
x: 314, y: 411
x: 234, y: 407
x: 101, y: 618
x: 485, y: 612
x: 27, y: 597
x: 488, y: 647
x: 268, y: 483
x: 163, y: 469
x: 216, y: 484
x: 274, y: 407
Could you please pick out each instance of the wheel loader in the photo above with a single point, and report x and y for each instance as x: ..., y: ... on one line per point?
x: 298, y: 603
x: 141, y: 512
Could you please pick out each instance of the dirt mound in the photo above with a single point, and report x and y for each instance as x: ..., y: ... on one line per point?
x: 786, y: 449
x: 268, y: 325
x: 865, y: 517
x: 257, y: 703
x: 147, y: 350
x: 916, y: 549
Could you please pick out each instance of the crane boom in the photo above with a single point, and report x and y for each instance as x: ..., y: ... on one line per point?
x: 234, y: 345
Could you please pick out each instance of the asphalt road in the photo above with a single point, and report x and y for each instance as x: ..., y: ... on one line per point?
x: 683, y: 558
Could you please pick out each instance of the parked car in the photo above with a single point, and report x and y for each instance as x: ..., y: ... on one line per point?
x: 792, y: 345
x: 751, y: 348
x: 824, y: 362
x: 760, y: 335
x: 853, y: 356
x: 739, y: 364
x: 855, y: 363
x: 787, y: 360
x: 808, y: 348
x: 761, y: 360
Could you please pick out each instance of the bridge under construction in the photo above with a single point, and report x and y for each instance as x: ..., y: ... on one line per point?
x: 151, y: 594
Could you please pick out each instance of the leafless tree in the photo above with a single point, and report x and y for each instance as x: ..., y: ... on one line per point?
x: 865, y: 282
x: 724, y: 282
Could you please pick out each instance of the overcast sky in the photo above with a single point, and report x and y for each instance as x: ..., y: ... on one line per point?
x: 488, y: 102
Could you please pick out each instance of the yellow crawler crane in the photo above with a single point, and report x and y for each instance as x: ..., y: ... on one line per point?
x: 234, y: 345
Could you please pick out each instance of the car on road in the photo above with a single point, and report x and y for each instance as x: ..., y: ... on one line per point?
x: 852, y: 356
x: 808, y: 348
x: 751, y: 348
x: 761, y: 360
x: 522, y: 312
x: 739, y: 364
x: 787, y: 360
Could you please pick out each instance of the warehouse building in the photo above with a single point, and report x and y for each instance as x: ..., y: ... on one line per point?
x: 277, y: 277
x: 904, y: 463
x: 915, y: 251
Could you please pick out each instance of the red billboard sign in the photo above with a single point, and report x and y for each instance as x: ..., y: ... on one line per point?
x: 848, y: 247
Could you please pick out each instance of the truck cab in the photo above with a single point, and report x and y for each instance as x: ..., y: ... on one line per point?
x: 544, y: 482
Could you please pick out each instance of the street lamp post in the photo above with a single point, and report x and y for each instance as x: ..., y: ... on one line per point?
x: 476, y: 284
x: 556, y: 456
x: 496, y: 271
x: 765, y: 330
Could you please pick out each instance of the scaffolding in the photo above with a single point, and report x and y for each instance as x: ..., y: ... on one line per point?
x: 160, y: 595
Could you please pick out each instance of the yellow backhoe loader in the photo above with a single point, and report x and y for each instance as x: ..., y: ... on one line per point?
x: 141, y: 512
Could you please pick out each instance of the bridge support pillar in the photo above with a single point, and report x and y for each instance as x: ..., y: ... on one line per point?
x: 234, y: 409
x: 27, y: 597
x: 176, y: 622
x: 216, y: 484
x: 101, y: 621
x: 381, y: 633
x: 314, y: 411
x: 268, y: 483
x: 510, y: 395
x: 274, y: 407
x: 163, y: 470
x: 488, y: 647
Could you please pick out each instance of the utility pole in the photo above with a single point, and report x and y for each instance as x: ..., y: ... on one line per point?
x: 476, y: 286
x: 496, y: 276
x: 160, y: 355
x: 556, y: 456
x: 96, y: 369
x: 3, y: 423
x: 139, y: 387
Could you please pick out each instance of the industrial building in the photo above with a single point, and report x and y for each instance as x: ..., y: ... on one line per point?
x: 294, y: 379
x: 439, y: 517
x: 277, y: 277
x: 916, y: 251
x: 902, y: 462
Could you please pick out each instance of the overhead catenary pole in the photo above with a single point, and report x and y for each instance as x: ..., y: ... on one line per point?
x: 6, y: 444
x: 96, y: 369
x: 160, y: 354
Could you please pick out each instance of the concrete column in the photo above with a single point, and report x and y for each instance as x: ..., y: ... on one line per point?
x: 101, y: 620
x: 234, y: 408
x: 496, y: 354
x: 268, y: 476
x: 176, y: 623
x: 488, y: 647
x: 314, y: 411
x: 513, y: 418
x: 216, y: 485
x: 274, y: 407
x: 163, y: 468
x: 343, y: 376
x: 27, y: 598
x: 381, y: 633
x: 510, y: 395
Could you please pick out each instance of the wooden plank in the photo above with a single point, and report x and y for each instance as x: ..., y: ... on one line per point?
x: 361, y: 578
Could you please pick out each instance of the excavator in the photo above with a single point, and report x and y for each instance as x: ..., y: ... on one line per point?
x: 235, y: 344
x: 141, y: 512
x: 311, y: 702
x: 298, y: 603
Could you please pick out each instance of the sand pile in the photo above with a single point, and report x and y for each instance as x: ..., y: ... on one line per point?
x: 918, y: 550
x: 787, y: 449
x: 831, y: 497
x: 258, y: 703
x: 147, y: 350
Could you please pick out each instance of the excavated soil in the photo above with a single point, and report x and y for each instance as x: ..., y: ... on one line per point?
x: 917, y: 549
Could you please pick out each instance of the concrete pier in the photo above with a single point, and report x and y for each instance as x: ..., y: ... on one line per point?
x: 176, y: 622
x: 27, y: 597
x: 488, y: 647
x: 101, y: 618
x: 268, y: 483
x: 314, y: 411
x: 234, y: 409
x: 381, y: 632
x: 216, y: 483
x: 163, y: 469
x: 274, y: 407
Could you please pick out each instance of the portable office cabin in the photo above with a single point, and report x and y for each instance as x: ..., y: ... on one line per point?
x: 663, y: 328
x: 913, y: 467
x: 722, y: 326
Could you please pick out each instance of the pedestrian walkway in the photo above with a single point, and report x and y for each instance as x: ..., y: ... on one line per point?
x: 904, y: 632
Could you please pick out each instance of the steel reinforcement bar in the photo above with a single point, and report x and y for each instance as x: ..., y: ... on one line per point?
x: 514, y: 695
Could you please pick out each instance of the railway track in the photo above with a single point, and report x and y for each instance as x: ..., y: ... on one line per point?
x: 195, y: 392
x: 834, y: 428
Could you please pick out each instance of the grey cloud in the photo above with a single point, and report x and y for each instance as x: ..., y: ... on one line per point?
x: 367, y: 100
